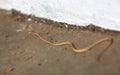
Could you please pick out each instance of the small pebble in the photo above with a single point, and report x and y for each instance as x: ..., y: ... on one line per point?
x: 29, y: 19
x: 66, y: 26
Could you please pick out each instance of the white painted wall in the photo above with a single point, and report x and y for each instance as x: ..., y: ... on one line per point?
x: 103, y: 13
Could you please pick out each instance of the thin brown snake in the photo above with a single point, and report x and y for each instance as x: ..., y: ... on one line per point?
x: 79, y: 50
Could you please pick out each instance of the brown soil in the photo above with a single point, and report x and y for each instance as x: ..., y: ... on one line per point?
x: 29, y: 55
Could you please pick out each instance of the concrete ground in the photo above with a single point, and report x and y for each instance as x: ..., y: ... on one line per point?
x: 23, y: 54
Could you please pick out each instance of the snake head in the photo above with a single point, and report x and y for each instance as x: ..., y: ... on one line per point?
x: 31, y: 32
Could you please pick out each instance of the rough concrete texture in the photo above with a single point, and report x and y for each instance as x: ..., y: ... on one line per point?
x: 23, y: 54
